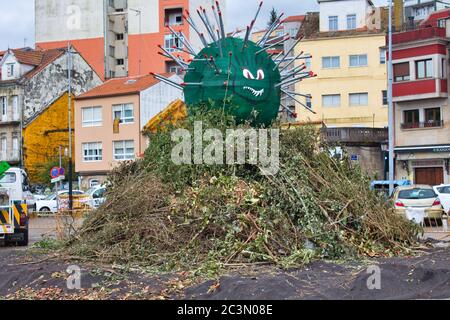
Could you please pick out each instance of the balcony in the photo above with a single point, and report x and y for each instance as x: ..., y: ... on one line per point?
x: 422, y: 125
x: 355, y: 136
x: 420, y: 89
x: 418, y: 34
x: 12, y: 156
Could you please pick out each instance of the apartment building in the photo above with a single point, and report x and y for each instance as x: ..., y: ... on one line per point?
x: 420, y: 90
x: 416, y: 10
x: 346, y: 40
x: 31, y: 81
x: 110, y: 119
x: 119, y: 37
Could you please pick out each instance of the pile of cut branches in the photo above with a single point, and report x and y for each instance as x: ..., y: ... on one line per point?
x: 184, y: 217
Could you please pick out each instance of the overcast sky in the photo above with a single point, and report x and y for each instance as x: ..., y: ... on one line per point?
x: 17, y: 22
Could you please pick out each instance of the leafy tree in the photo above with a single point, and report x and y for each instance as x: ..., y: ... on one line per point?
x: 273, y: 17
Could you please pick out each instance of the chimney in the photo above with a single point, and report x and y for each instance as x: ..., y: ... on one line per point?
x: 398, y: 14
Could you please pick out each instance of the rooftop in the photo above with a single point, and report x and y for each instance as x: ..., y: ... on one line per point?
x: 121, y: 87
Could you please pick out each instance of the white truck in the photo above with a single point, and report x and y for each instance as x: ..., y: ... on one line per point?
x: 15, y: 201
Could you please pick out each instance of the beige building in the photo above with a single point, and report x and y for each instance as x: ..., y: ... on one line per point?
x: 109, y: 121
x: 346, y: 41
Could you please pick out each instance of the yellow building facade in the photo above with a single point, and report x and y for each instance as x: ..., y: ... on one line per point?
x: 44, y: 135
x: 350, y: 89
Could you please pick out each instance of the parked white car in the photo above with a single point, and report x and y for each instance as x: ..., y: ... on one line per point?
x: 50, y: 203
x: 443, y: 192
x: 96, y: 196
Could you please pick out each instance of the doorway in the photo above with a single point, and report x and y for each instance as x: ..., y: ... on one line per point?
x: 429, y: 176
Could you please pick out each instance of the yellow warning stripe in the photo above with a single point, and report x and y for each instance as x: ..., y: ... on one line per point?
x: 16, y: 215
x: 4, y: 217
x: 4, y: 229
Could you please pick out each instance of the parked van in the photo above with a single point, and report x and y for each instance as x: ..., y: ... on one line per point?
x: 18, y: 185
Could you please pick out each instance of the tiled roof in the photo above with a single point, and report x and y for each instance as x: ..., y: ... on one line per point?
x: 298, y: 18
x: 39, y: 59
x: 121, y: 86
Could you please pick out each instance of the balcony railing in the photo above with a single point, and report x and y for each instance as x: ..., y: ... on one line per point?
x: 355, y: 135
x: 422, y: 125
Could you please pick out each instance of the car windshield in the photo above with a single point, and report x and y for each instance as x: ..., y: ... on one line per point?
x: 91, y: 191
x: 445, y: 190
x: 417, y: 194
x: 50, y: 197
x: 10, y: 177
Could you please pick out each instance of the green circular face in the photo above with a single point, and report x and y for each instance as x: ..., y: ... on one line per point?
x: 241, y: 79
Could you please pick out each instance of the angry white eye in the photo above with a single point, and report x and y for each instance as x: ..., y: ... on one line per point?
x: 248, y: 74
x: 260, y: 75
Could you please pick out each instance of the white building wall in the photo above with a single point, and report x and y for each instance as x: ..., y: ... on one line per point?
x: 150, y: 16
x: 58, y: 20
x: 156, y: 98
x: 19, y: 69
x: 342, y: 8
x: 207, y: 4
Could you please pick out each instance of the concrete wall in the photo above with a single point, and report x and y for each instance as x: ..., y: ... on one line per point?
x: 51, y: 83
x: 156, y: 98
x: 341, y: 9
x: 370, y: 159
x: 58, y: 20
x: 345, y: 80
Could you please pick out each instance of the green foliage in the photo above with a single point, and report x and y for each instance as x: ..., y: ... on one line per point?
x: 273, y: 17
x: 44, y: 170
x: 200, y: 217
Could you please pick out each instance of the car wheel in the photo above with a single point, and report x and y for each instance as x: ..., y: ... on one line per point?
x: 45, y: 210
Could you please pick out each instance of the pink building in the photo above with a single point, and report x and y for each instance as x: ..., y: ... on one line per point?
x: 109, y: 120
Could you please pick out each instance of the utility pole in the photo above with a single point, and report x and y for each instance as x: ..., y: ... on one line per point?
x: 69, y: 76
x: 391, y: 106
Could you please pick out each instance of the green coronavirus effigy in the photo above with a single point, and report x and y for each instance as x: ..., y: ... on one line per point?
x: 241, y: 79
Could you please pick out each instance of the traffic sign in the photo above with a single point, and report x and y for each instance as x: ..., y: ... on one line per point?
x: 54, y: 173
x: 58, y: 179
x: 62, y: 171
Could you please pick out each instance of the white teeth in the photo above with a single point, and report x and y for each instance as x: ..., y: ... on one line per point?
x: 255, y: 92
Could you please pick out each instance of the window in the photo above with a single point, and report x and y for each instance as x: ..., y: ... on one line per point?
x: 124, y: 112
x: 358, y: 60
x: 359, y: 99
x: 331, y: 100
x: 172, y: 43
x: 331, y: 62
x: 94, y: 183
x: 351, y: 21
x: 10, y: 69
x: 383, y: 56
x: 112, y: 51
x: 401, y: 72
x: 444, y: 68
x: 120, y: 62
x: 433, y: 117
x: 309, y: 101
x: 4, y: 106
x: 385, y: 97
x: 308, y: 63
x: 424, y: 69
x: 124, y: 150
x: 15, y: 104
x: 173, y: 16
x: 411, y: 119
x: 333, y: 23
x: 9, y: 177
x: 92, y: 117
x: 92, y: 151
x: 119, y: 36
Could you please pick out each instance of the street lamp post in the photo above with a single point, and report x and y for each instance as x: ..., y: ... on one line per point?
x: 391, y: 105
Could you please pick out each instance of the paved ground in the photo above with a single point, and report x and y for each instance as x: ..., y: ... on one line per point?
x: 27, y: 274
